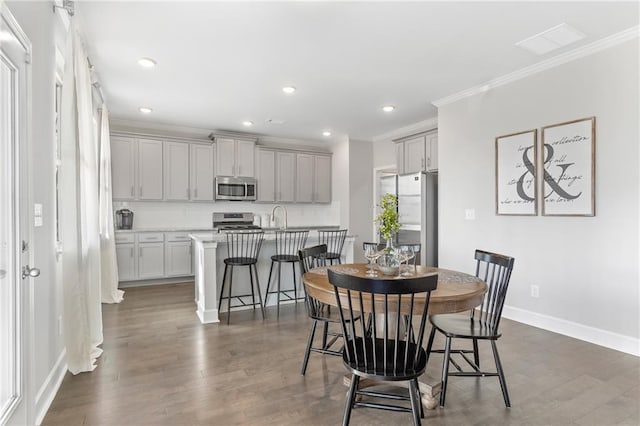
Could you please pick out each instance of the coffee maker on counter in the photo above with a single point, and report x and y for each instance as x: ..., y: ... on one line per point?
x: 124, y: 219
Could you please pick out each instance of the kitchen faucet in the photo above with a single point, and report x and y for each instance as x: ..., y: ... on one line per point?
x: 285, y: 215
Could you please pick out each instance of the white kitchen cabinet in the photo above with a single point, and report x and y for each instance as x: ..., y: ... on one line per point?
x: 285, y: 177
x: 123, y: 159
x: 149, y: 169
x: 126, y: 259
x: 201, y: 171
x: 234, y: 157
x: 176, y: 171
x: 153, y: 255
x: 304, y: 178
x: 322, y: 179
x: 178, y: 260
x: 150, y: 260
x: 265, y: 175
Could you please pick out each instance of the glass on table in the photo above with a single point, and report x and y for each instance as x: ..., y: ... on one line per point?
x: 371, y: 253
x: 407, y: 254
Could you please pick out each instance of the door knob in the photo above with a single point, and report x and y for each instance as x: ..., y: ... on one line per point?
x: 30, y: 272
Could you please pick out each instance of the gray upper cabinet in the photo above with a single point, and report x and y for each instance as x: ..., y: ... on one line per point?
x: 201, y: 170
x: 276, y: 175
x: 322, y: 179
x: 285, y: 177
x: 313, y: 178
x: 176, y: 171
x: 123, y: 169
x: 266, y: 175
x: 432, y: 152
x: 304, y: 178
x: 136, y: 169
x: 234, y: 157
x: 417, y: 153
x: 149, y: 169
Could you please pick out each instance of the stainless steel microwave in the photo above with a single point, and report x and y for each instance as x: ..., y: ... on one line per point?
x: 235, y: 188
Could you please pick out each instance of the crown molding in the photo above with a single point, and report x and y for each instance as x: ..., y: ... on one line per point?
x: 421, y: 126
x: 563, y: 58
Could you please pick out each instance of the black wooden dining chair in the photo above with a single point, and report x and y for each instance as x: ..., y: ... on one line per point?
x: 334, y: 239
x: 389, y: 348
x: 482, y: 324
x: 313, y: 257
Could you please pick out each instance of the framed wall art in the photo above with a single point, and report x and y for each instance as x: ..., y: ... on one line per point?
x: 516, y: 183
x: 568, y: 167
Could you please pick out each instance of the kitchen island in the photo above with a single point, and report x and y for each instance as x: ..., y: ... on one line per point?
x: 210, y: 252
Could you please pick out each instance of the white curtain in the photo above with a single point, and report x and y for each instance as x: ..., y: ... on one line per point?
x: 80, y: 220
x: 109, y: 264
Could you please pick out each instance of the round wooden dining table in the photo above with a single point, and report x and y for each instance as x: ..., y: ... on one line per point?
x: 456, y: 292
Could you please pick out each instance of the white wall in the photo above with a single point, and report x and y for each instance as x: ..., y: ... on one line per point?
x: 44, y: 31
x: 340, y: 179
x: 586, y: 267
x: 360, y: 194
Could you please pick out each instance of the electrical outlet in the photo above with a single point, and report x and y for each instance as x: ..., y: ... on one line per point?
x: 535, y: 291
x: 470, y: 214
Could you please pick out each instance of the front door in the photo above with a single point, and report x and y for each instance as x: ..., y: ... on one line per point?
x: 15, y: 274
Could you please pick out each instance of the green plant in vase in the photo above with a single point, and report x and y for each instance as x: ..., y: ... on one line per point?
x: 388, y: 224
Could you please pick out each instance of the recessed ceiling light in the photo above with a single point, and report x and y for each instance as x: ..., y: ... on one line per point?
x: 288, y: 89
x: 146, y: 62
x: 145, y: 110
x: 247, y: 123
x: 326, y: 133
x: 388, y: 108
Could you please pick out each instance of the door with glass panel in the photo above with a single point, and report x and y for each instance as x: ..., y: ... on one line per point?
x: 15, y: 274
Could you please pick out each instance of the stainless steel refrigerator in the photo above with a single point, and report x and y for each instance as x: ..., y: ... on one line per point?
x: 418, y: 210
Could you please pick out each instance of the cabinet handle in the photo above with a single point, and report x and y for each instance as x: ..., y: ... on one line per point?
x: 422, y: 163
x: 132, y: 190
x: 429, y: 162
x: 141, y: 190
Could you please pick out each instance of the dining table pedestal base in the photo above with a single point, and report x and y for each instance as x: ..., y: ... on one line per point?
x: 429, y: 388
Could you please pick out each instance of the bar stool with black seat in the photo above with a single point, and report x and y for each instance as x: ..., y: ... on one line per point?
x: 243, y: 249
x: 314, y: 257
x: 334, y: 240
x: 390, y: 351
x: 288, y: 243
x: 482, y: 324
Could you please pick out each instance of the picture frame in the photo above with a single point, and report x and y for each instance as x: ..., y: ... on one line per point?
x: 516, y: 183
x: 568, y: 165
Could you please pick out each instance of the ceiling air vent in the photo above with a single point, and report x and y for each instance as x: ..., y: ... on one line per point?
x: 551, y: 39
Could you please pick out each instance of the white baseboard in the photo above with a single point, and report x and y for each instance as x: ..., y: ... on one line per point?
x: 50, y: 387
x: 594, y: 335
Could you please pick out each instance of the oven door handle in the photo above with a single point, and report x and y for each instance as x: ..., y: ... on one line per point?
x: 246, y: 190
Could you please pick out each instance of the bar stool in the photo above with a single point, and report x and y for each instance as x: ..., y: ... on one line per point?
x: 334, y: 241
x: 288, y: 243
x: 243, y: 249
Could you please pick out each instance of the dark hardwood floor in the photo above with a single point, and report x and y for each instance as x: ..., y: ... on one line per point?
x: 160, y: 366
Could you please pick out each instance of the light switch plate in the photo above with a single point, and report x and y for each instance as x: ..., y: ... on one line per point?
x: 470, y: 214
x: 37, y: 221
x: 37, y: 209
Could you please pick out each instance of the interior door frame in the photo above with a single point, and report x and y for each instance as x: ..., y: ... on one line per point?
x: 21, y: 409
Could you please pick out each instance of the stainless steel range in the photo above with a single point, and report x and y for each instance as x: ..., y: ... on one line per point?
x: 234, y: 222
